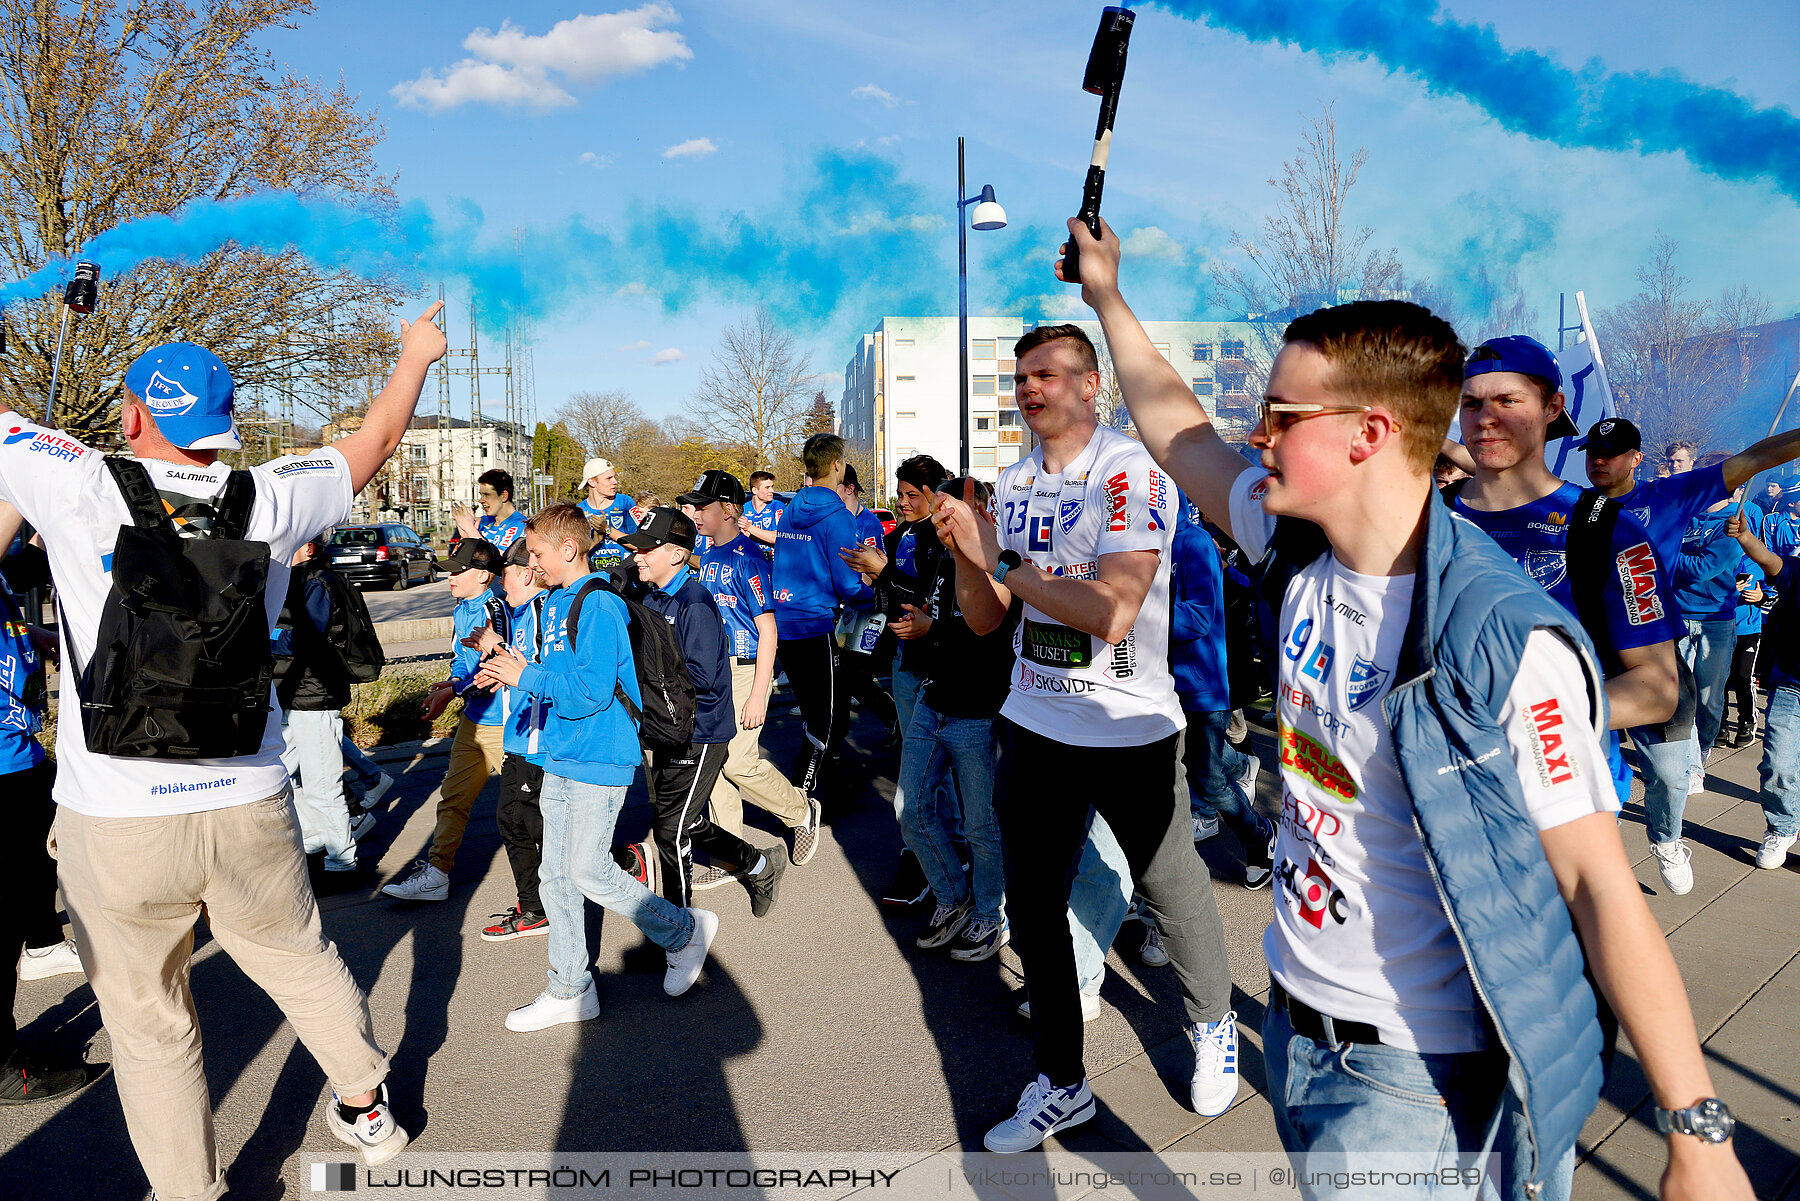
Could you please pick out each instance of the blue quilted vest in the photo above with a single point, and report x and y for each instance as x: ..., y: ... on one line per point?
x: 1472, y: 610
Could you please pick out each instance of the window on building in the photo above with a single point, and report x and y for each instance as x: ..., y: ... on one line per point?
x: 984, y: 423
x: 1231, y: 383
x: 1231, y: 350
x: 1006, y: 385
x: 1008, y: 366
x: 1009, y: 418
x: 1203, y: 352
x: 904, y: 379
x: 905, y: 413
x: 421, y: 488
x: 981, y: 348
x: 1161, y: 348
x: 903, y: 341
x: 420, y: 452
x: 986, y: 385
x: 1203, y: 387
x: 981, y: 456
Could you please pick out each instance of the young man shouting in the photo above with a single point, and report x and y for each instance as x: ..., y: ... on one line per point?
x: 1442, y: 778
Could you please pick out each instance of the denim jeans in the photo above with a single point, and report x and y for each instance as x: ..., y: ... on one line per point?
x: 907, y: 688
x: 961, y: 748
x: 1708, y: 649
x: 311, y: 749
x: 1098, y: 901
x: 1666, y: 767
x: 578, y: 837
x: 1781, y: 760
x: 367, y: 773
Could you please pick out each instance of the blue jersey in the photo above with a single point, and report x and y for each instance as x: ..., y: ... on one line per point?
x: 615, y: 514
x: 525, y: 714
x: 1780, y: 534
x: 21, y: 690
x: 470, y: 615
x: 868, y: 528
x: 1640, y: 607
x: 738, y: 577
x: 764, y: 519
x: 1666, y: 507
x: 501, y: 533
x: 1749, y: 616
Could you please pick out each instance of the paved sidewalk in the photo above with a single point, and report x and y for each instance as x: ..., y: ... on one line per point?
x: 821, y: 1028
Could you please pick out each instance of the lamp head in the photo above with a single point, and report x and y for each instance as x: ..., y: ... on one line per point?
x: 988, y: 214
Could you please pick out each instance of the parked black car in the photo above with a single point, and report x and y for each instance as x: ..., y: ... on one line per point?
x: 388, y: 554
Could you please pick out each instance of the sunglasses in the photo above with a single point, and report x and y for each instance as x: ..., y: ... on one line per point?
x: 1289, y: 413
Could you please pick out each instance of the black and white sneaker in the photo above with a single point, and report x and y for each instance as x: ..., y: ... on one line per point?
x: 980, y: 940
x: 765, y: 886
x: 806, y: 834
x: 372, y: 1131
x: 946, y: 923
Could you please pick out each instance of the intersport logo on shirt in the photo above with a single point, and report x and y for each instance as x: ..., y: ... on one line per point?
x: 1637, y: 573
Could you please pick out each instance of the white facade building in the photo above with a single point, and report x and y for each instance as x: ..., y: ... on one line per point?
x: 435, y: 470
x: 900, y: 394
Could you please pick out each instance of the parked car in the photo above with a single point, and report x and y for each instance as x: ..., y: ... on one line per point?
x: 888, y: 520
x: 388, y: 554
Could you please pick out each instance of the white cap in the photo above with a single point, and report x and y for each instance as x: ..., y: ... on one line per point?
x: 593, y: 468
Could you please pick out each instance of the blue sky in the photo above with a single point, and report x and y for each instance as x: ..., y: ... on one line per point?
x: 707, y: 136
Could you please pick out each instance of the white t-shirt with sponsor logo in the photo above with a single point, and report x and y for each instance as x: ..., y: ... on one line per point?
x: 1360, y: 931
x: 1069, y: 685
x: 64, y: 489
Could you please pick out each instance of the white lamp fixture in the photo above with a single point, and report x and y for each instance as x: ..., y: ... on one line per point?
x: 988, y: 214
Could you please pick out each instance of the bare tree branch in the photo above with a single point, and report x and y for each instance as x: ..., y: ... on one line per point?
x: 755, y: 391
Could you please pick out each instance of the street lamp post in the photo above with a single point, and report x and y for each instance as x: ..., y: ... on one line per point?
x: 987, y: 215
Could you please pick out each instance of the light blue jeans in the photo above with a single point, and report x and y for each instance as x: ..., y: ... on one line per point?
x: 961, y: 749
x: 1781, y: 761
x: 311, y: 751
x: 1666, y: 767
x: 1708, y: 649
x: 578, y: 837
x: 1360, y: 1105
x: 907, y: 687
x: 1098, y: 901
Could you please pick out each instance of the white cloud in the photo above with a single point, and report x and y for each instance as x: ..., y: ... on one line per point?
x: 518, y: 69
x: 1150, y: 242
x: 634, y: 288
x: 869, y: 91
x: 692, y: 148
x: 638, y: 345
x: 664, y: 357
x: 596, y: 161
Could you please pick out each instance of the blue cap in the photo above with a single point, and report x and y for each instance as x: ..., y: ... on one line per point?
x: 1525, y: 356
x: 188, y: 390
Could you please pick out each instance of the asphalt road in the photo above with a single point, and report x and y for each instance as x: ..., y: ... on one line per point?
x: 417, y: 603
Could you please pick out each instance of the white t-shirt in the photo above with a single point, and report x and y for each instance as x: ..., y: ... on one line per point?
x: 64, y: 489
x: 1068, y: 685
x: 1360, y: 931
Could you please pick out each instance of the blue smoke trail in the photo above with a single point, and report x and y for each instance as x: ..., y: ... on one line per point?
x: 1528, y: 92
x: 846, y: 229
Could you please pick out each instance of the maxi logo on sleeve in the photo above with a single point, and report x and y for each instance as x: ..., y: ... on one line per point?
x: 54, y: 445
x: 1549, y: 752
x: 1637, y: 572
x: 1118, y: 499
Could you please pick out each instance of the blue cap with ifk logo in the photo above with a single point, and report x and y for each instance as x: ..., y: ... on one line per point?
x: 188, y: 390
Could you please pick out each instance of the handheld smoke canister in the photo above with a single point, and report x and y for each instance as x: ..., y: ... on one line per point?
x: 80, y: 296
x: 1105, y: 75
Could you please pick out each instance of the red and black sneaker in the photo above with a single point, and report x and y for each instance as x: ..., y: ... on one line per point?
x: 639, y: 863
x: 515, y: 924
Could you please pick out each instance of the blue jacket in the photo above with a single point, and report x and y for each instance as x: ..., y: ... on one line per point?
x: 811, y: 581
x: 526, y: 715
x: 589, y: 737
x: 1197, y: 621
x: 21, y: 690
x: 480, y: 705
x: 690, y: 608
x: 1473, y: 608
x: 1706, y: 578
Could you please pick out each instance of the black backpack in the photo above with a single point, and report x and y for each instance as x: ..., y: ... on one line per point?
x: 182, y: 663
x: 351, y: 631
x: 666, y: 721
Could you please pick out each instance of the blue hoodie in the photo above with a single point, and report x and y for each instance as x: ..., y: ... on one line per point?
x: 1197, y: 621
x: 590, y: 737
x: 810, y: 580
x: 526, y: 714
x: 1706, y: 577
x: 479, y: 704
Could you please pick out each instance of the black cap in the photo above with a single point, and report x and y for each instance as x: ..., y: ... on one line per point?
x: 1613, y: 436
x: 517, y: 555
x: 711, y: 488
x: 478, y: 553
x: 660, y: 526
x: 850, y: 477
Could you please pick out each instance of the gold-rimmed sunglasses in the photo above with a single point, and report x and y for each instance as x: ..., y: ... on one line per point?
x: 1296, y: 411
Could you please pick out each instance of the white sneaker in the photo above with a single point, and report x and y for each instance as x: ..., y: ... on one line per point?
x: 548, y: 1011
x: 1674, y: 864
x: 684, y: 965
x: 1205, y: 827
x: 1043, y: 1110
x: 1090, y: 1008
x: 1696, y: 781
x: 1773, y: 854
x: 62, y: 959
x: 1215, y: 1084
x: 1247, y: 778
x: 423, y: 883
x: 377, y: 790
x: 375, y: 1133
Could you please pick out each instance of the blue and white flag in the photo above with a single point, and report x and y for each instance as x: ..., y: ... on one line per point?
x: 1589, y: 396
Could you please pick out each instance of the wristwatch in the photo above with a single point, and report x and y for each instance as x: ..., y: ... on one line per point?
x: 1708, y: 1119
x: 1009, y: 559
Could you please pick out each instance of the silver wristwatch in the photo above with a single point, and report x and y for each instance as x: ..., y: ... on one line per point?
x: 1708, y: 1119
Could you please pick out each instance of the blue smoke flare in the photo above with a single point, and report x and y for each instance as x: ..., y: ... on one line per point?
x: 1528, y: 92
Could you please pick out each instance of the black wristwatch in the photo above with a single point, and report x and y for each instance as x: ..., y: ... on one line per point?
x: 1708, y: 1119
x: 1009, y: 559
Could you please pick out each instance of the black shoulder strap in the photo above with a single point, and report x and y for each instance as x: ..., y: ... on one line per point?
x: 574, y: 618
x: 1295, y: 543
x: 537, y: 622
x: 141, y: 496
x: 1588, y: 559
x: 233, y: 517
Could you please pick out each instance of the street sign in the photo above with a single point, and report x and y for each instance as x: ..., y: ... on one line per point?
x: 543, y: 479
